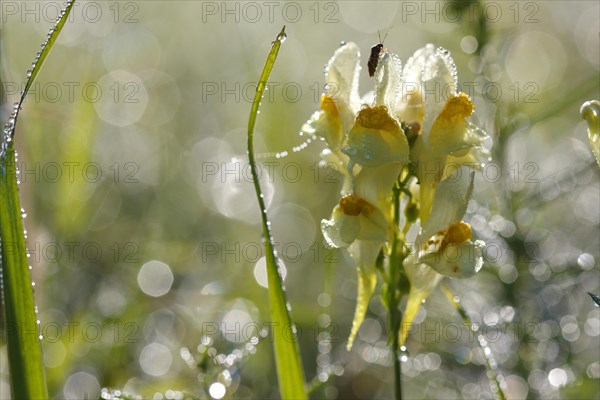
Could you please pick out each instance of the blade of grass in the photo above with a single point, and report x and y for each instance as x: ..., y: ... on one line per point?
x: 24, y: 347
x: 490, y: 363
x: 287, y: 357
x: 39, y: 61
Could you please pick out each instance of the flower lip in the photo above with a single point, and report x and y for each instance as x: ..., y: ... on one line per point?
x: 377, y: 117
x: 328, y: 104
x: 353, y: 205
x: 376, y: 139
x: 455, y: 109
x: 456, y: 233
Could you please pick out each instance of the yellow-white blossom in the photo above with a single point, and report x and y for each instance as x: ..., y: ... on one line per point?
x: 430, y: 102
x: 443, y: 246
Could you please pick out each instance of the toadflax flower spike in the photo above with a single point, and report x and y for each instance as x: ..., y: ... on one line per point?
x: 365, y: 137
x: 372, y: 151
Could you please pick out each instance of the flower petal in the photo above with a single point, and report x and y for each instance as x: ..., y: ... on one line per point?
x: 410, y: 107
x: 415, y: 65
x: 342, y: 229
x: 326, y: 123
x: 342, y: 73
x: 375, y: 184
x: 337, y: 161
x: 376, y: 139
x: 354, y: 219
x: 439, y: 84
x: 341, y: 102
x: 423, y: 280
x: 449, y: 202
x: 388, y: 77
x: 457, y: 260
x: 450, y: 131
x: 364, y: 253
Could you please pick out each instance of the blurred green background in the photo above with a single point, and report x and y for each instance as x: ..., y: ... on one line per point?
x: 144, y: 231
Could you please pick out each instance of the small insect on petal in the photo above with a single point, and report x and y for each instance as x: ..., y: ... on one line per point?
x: 374, y: 58
x: 376, y: 52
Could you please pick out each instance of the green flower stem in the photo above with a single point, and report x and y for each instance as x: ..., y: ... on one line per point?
x: 489, y: 360
x: 392, y: 291
x: 287, y: 357
x: 24, y: 348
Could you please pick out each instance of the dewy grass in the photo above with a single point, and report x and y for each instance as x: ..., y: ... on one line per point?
x: 287, y: 357
x: 24, y: 348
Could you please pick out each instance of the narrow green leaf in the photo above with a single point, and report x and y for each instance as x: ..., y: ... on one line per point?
x: 287, y: 357
x: 24, y: 349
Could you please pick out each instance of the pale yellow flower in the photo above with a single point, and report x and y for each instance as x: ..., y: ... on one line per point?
x: 430, y: 102
x: 443, y: 246
x: 338, y: 108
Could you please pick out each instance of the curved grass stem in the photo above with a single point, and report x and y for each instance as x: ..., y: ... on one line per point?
x: 287, y: 357
x: 24, y: 347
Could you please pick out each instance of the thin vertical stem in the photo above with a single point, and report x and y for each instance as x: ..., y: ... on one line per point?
x: 397, y: 369
x: 393, y: 294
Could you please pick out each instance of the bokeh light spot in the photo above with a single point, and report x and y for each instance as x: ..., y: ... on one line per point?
x: 81, y: 385
x: 217, y: 390
x: 155, y: 359
x: 155, y: 278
